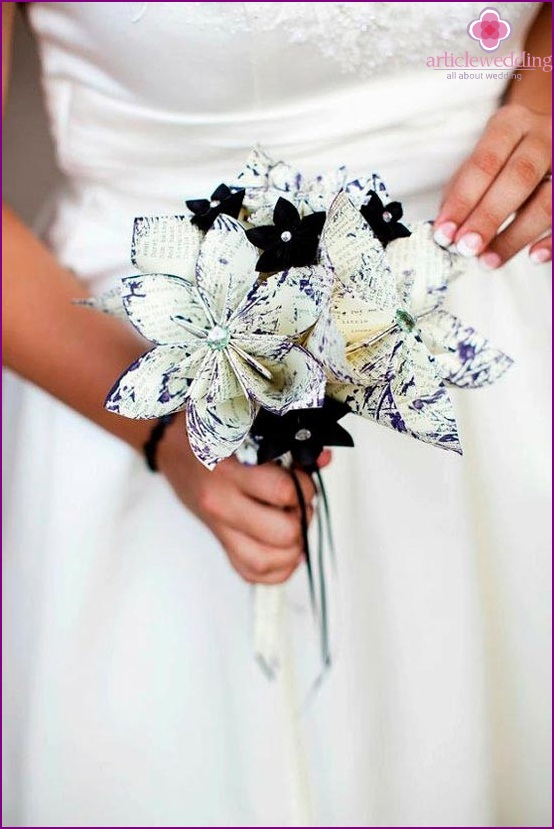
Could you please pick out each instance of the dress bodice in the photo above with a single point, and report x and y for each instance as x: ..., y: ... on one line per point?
x: 184, y: 82
x: 150, y: 103
x: 206, y: 59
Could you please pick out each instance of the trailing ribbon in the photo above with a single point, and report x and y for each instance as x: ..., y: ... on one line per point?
x: 301, y: 435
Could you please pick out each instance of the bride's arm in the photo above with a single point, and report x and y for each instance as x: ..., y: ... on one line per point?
x: 76, y: 355
x: 506, y: 172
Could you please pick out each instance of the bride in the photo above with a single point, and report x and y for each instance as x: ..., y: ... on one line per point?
x: 131, y: 696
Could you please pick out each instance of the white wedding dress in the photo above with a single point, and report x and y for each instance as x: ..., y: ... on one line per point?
x: 132, y: 697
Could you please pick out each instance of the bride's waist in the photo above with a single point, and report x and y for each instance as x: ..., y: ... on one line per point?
x: 123, y: 161
x: 132, y: 148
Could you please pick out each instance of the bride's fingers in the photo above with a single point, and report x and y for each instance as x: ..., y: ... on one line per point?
x: 324, y: 459
x: 274, y: 485
x: 541, y: 252
x: 532, y: 221
x: 264, y: 523
x: 475, y: 176
x: 519, y: 178
x: 257, y: 562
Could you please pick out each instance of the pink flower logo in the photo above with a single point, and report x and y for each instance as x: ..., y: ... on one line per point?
x: 489, y: 29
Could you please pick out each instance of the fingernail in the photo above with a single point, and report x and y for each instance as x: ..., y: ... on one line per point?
x: 540, y: 256
x: 490, y: 261
x: 469, y: 244
x: 444, y: 234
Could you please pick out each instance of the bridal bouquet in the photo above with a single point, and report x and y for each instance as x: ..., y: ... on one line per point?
x: 282, y: 302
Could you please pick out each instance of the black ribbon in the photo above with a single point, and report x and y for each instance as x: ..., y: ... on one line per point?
x: 303, y: 434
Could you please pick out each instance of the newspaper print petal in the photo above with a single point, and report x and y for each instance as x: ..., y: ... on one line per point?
x: 165, y: 309
x: 297, y: 380
x: 357, y: 256
x: 216, y: 429
x: 358, y: 189
x: 215, y: 379
x: 358, y: 321
x: 371, y: 363
x: 328, y: 346
x: 421, y: 268
x: 109, y: 302
x: 226, y: 268
x: 165, y: 244
x: 300, y: 377
x: 255, y: 171
x: 413, y: 400
x: 286, y: 304
x: 464, y: 357
x: 156, y: 384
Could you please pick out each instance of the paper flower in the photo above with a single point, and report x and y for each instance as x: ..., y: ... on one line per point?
x: 265, y: 181
x: 384, y: 220
x: 289, y: 241
x: 223, y: 200
x: 463, y: 357
x: 304, y: 433
x: 224, y: 343
x: 382, y: 338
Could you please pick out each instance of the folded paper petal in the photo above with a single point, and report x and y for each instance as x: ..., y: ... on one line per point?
x: 165, y: 309
x: 297, y: 380
x: 371, y: 362
x: 413, y: 400
x: 358, y: 321
x: 328, y: 346
x: 357, y: 257
x: 226, y: 268
x: 421, y: 267
x: 109, y: 303
x: 286, y: 304
x: 216, y: 429
x: 156, y: 384
x: 464, y: 358
x: 165, y: 244
x: 260, y: 345
x: 216, y: 379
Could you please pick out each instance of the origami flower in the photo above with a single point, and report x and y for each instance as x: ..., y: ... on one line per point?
x: 224, y: 344
x: 265, y: 181
x: 489, y: 29
x: 384, y: 220
x: 304, y: 433
x: 289, y: 241
x: 222, y: 200
x: 385, y: 340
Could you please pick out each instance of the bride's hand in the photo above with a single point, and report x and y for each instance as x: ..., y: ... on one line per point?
x: 505, y: 175
x: 253, y: 511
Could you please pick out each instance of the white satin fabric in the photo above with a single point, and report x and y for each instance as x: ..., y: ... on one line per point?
x: 132, y: 697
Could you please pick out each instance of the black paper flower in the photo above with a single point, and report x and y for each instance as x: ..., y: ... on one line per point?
x: 222, y: 200
x: 290, y: 241
x: 384, y: 220
x: 304, y: 433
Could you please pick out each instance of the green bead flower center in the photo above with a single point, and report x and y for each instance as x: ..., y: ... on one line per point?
x: 405, y: 321
x: 218, y: 338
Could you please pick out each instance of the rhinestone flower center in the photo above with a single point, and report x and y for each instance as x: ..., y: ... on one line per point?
x: 286, y: 236
x: 303, y: 434
x: 387, y: 217
x: 218, y: 338
x: 405, y: 321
